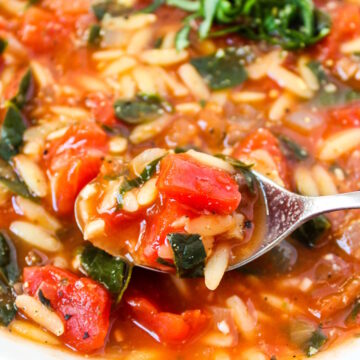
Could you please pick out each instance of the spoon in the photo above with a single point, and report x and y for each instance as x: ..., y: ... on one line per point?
x: 285, y: 211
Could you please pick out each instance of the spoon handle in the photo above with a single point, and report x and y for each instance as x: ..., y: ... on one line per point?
x: 323, y: 204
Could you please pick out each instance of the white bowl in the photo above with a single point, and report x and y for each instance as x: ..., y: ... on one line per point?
x: 17, y: 348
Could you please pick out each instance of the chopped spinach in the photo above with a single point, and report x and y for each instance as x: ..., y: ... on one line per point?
x: 291, y: 149
x: 317, y: 340
x: 44, y: 300
x: 113, y: 272
x: 12, y: 131
x: 354, y: 311
x: 293, y: 24
x: 145, y: 175
x: 312, y: 231
x: 111, y: 7
x: 164, y: 262
x: 3, y: 45
x: 189, y: 254
x: 94, y: 37
x: 223, y: 69
x: 245, y: 170
x: 9, y: 274
x: 141, y: 109
x: 25, y: 91
x: 153, y: 6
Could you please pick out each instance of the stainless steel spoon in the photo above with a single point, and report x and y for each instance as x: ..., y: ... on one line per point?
x: 287, y: 211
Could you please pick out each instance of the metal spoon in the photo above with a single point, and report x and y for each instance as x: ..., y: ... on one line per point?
x: 287, y: 211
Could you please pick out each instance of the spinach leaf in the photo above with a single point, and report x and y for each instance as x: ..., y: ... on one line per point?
x: 3, y: 45
x: 145, y: 175
x: 25, y: 91
x: 141, y: 109
x: 291, y: 149
x: 12, y: 131
x: 293, y: 24
x: 94, y: 37
x: 245, y: 170
x: 9, y: 274
x: 355, y: 311
x: 317, y: 340
x: 312, y: 231
x: 152, y: 7
x: 189, y: 254
x: 223, y: 69
x: 164, y: 262
x: 113, y: 272
x: 111, y: 7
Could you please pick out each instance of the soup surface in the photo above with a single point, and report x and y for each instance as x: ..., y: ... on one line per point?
x: 129, y: 130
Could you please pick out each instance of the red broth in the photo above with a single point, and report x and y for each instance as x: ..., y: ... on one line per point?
x: 87, y: 89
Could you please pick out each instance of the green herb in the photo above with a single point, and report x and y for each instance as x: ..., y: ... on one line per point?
x: 113, y: 272
x: 158, y: 43
x: 292, y: 149
x: 111, y: 7
x: 317, y: 340
x: 184, y: 149
x: 143, y: 108
x: 3, y: 45
x: 318, y: 70
x: 355, y: 311
x: 12, y: 131
x: 293, y: 24
x: 182, y: 38
x: 9, y: 274
x: 25, y: 91
x: 312, y: 231
x: 164, y: 262
x: 94, y: 38
x: 189, y: 254
x: 44, y: 300
x: 245, y: 170
x: 153, y: 7
x: 223, y: 69
x: 145, y: 175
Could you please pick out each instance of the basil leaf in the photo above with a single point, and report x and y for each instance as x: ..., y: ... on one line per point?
x: 312, y: 231
x: 111, y: 7
x: 3, y: 45
x: 152, y: 7
x: 113, y: 272
x: 189, y: 254
x: 141, y: 109
x: 145, y: 175
x: 223, y: 69
x: 9, y: 274
x: 317, y: 340
x: 291, y: 149
x: 245, y: 170
x: 94, y: 37
x: 12, y: 132
x: 25, y: 91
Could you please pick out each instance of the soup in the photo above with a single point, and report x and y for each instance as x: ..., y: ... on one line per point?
x: 129, y: 132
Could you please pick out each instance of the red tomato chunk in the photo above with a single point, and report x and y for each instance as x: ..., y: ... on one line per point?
x: 81, y: 303
x: 199, y: 186
x: 167, y: 327
x: 74, y: 160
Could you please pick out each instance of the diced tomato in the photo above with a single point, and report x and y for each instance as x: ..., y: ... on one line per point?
x: 41, y: 30
x: 263, y: 139
x: 346, y: 116
x: 199, y: 186
x: 345, y: 25
x: 82, y: 304
x: 74, y: 160
x: 167, y: 327
x: 102, y: 109
x: 160, y: 225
